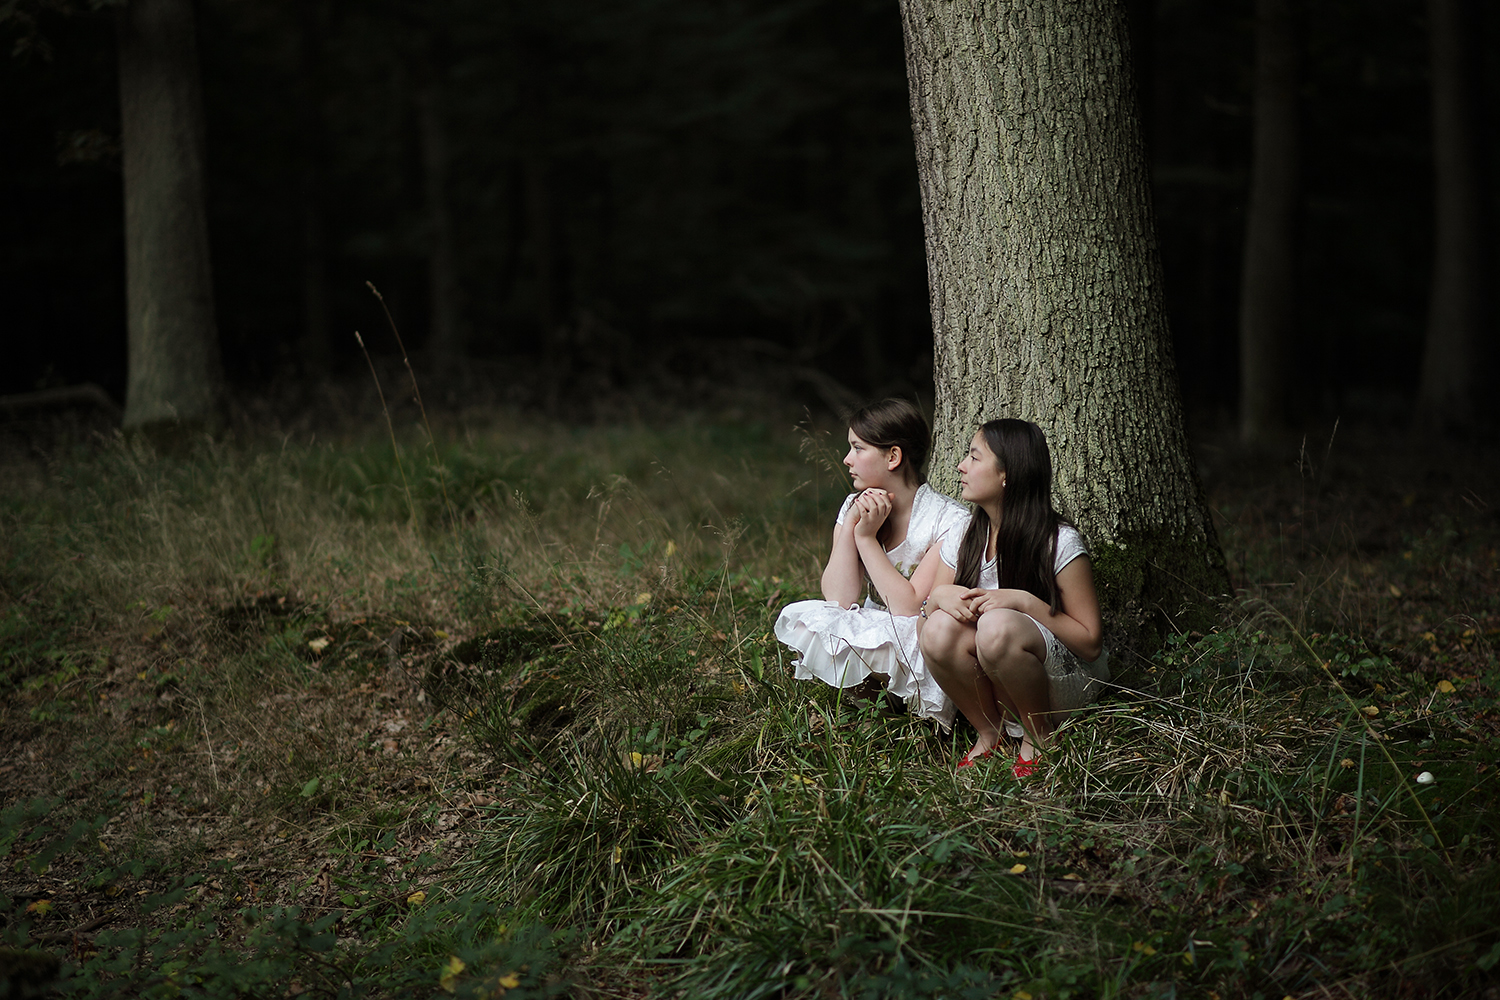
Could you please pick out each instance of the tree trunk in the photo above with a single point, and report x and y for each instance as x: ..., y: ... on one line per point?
x: 1268, y: 292
x: 539, y: 224
x: 1045, y: 283
x: 317, y: 347
x: 444, y: 338
x: 176, y: 375
x: 1453, y: 360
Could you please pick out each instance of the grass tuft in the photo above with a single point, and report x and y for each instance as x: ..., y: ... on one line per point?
x: 522, y: 710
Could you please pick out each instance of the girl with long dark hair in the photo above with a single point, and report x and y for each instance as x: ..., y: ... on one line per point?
x: 886, y: 544
x: 1011, y: 630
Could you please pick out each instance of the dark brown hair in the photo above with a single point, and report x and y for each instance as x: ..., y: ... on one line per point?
x: 1026, y: 542
x: 895, y: 423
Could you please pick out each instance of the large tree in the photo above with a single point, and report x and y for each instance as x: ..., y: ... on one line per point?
x: 175, y: 371
x: 1045, y: 283
x: 1454, y: 359
x: 1268, y: 278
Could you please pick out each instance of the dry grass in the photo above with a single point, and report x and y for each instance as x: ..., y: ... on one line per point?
x: 234, y: 654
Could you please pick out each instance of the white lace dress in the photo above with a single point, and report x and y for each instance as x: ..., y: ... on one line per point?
x: 1073, y: 682
x: 843, y: 646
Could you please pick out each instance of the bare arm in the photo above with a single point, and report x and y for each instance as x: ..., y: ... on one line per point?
x: 1077, y: 624
x: 842, y: 579
x: 895, y: 591
x: 948, y: 596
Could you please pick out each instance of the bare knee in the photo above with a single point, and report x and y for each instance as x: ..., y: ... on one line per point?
x: 944, y: 639
x: 1003, y: 636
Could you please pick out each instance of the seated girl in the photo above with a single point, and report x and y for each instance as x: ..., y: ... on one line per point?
x: 881, y: 536
x: 1011, y: 630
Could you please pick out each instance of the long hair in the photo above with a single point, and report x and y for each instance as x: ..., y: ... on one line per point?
x: 893, y: 423
x: 1026, y: 542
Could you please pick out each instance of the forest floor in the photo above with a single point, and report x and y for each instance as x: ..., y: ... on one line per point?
x: 245, y: 741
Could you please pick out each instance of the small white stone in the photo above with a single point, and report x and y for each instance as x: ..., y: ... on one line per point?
x: 1425, y: 778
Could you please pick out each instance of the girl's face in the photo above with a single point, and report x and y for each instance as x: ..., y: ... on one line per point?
x: 870, y: 466
x: 980, y: 478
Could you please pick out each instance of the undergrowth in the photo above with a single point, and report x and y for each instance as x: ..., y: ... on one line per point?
x: 1301, y: 801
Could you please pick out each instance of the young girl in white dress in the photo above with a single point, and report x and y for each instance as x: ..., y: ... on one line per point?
x: 886, y: 540
x: 1011, y: 630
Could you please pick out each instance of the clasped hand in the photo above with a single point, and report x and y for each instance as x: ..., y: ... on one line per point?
x: 968, y: 605
x: 871, y: 508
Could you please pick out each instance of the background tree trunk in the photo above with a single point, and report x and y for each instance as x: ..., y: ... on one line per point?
x: 1045, y: 283
x: 444, y: 338
x: 316, y: 345
x: 175, y: 370
x: 1454, y: 359
x: 1268, y: 279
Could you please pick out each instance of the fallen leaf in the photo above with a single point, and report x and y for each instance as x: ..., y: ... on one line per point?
x: 1017, y: 868
x: 417, y: 898
x: 1395, y: 590
x: 319, y: 644
x: 1346, y: 763
x: 41, y: 907
x: 510, y: 980
x: 1446, y: 687
x: 1371, y: 710
x: 449, y: 978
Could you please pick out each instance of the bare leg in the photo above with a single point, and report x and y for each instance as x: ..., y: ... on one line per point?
x: 1012, y: 653
x: 948, y: 649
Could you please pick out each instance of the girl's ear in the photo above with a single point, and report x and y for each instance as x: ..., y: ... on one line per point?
x: 893, y: 458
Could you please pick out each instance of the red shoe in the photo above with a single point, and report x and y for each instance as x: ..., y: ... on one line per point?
x: 1024, y: 768
x: 971, y: 761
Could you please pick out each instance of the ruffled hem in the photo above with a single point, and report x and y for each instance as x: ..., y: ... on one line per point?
x: 843, y: 646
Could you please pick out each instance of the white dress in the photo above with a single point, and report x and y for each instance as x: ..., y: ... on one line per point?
x: 843, y: 646
x: 1074, y: 682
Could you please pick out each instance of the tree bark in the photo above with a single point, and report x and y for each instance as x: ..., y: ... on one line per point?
x: 1454, y: 360
x: 444, y: 337
x: 1268, y: 279
x: 317, y: 346
x: 1045, y: 283
x: 176, y: 375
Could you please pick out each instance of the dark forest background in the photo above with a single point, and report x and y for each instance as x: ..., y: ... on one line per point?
x: 604, y: 195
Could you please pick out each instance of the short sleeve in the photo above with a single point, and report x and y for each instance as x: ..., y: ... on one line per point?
x: 951, y: 543
x: 1069, y: 547
x: 955, y: 521
x: 844, y: 510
